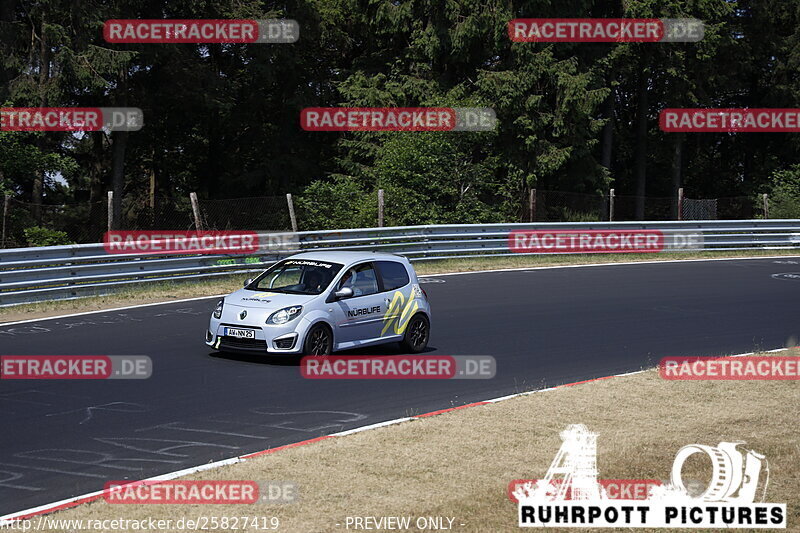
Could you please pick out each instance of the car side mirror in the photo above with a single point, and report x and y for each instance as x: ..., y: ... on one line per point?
x: 345, y: 292
x: 248, y: 282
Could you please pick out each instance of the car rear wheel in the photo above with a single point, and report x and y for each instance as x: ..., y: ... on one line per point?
x: 319, y: 341
x: 417, y: 333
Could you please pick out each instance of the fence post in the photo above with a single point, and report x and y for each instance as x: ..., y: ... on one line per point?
x: 6, y: 201
x: 292, y: 216
x: 380, y: 208
x: 611, y: 205
x: 532, y: 206
x: 198, y: 221
x: 680, y: 203
x: 766, y: 206
x: 110, y: 210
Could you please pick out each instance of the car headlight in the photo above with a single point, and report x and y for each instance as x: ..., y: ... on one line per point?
x: 285, y: 315
x: 218, y: 309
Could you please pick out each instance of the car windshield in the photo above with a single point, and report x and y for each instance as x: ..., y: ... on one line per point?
x: 297, y: 276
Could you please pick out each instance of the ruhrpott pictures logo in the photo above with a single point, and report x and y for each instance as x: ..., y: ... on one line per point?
x: 727, y: 501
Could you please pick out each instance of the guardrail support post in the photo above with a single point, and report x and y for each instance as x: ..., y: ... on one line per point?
x: 198, y: 222
x: 380, y: 208
x: 532, y: 206
x: 292, y: 216
x: 110, y: 210
x: 6, y: 201
x: 766, y: 206
x: 680, y: 203
x: 611, y: 205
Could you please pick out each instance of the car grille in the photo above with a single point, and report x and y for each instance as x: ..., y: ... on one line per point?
x: 247, y: 344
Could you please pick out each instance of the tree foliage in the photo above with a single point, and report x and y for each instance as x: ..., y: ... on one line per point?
x: 223, y: 119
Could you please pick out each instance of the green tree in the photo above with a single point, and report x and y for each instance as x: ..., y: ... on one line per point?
x: 784, y: 193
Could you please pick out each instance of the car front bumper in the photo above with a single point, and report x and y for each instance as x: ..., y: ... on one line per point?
x: 284, y: 339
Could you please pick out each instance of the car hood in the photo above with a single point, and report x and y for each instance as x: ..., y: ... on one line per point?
x: 265, y: 300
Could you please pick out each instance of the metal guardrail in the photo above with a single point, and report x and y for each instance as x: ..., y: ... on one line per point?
x: 59, y: 272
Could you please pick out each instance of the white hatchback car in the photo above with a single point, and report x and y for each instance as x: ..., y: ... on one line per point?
x: 315, y: 303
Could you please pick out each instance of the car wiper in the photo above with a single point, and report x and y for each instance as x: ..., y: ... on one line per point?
x: 260, y: 289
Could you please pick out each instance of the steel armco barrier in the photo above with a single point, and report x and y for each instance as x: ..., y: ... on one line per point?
x: 58, y: 272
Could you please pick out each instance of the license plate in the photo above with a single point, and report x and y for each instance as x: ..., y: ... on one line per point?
x: 240, y: 333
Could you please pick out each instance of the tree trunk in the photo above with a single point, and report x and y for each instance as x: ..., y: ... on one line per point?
x: 119, y: 144
x: 37, y: 191
x: 677, y: 170
x: 97, y: 196
x: 640, y: 162
x: 152, y: 192
x: 608, y: 130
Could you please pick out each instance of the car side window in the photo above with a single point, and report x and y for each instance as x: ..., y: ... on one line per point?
x: 393, y: 274
x: 361, y: 279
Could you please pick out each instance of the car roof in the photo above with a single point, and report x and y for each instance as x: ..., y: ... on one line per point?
x: 347, y: 257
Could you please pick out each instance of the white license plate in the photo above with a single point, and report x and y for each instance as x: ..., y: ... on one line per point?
x: 240, y: 333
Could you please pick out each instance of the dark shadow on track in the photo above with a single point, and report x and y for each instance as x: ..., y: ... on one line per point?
x: 294, y: 360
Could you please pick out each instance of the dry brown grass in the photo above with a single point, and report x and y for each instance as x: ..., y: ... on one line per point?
x: 168, y: 291
x: 459, y: 464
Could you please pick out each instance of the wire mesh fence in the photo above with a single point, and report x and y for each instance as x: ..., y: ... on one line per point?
x: 739, y: 207
x: 25, y: 224
x: 267, y: 213
x: 699, y: 209
x: 556, y: 206
x: 159, y: 213
x: 644, y: 208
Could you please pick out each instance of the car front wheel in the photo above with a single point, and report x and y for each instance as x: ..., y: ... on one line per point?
x: 319, y: 341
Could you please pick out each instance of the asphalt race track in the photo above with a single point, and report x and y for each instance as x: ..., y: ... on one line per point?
x: 544, y: 327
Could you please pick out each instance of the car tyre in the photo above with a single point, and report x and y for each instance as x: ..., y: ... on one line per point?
x: 417, y: 334
x: 319, y: 341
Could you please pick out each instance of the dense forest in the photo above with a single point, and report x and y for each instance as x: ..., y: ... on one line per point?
x: 222, y: 120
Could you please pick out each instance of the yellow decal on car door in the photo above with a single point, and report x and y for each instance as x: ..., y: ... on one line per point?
x: 398, y: 313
